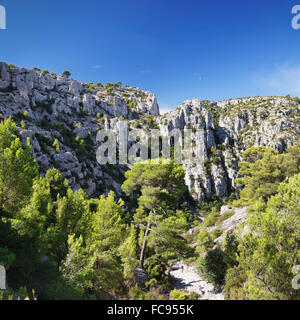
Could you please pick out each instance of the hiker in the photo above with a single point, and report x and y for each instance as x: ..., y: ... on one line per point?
x: 182, y: 268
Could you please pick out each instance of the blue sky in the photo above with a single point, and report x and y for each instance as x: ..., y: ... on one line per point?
x: 177, y: 49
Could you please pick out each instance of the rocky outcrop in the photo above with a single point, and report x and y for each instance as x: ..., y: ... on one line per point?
x: 62, y: 116
x: 223, y: 130
x: 239, y: 216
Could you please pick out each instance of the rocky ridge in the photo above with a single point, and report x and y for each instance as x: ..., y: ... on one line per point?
x: 62, y: 116
x: 226, y: 129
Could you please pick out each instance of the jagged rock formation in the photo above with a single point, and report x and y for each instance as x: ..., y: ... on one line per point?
x: 227, y: 128
x: 61, y: 117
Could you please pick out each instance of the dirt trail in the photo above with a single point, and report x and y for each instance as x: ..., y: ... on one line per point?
x: 190, y: 280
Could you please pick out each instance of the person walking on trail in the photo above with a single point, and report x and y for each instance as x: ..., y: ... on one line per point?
x: 182, y: 268
x: 187, y: 267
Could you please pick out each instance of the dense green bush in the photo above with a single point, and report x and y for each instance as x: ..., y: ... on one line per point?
x: 263, y: 169
x: 270, y: 248
x: 212, y: 266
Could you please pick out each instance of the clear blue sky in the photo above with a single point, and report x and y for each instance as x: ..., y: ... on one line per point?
x: 177, y: 49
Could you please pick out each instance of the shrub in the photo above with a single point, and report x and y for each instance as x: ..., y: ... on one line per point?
x: 56, y: 145
x: 177, y: 294
x: 215, y: 234
x: 155, y: 268
x: 131, y: 104
x: 211, y: 219
x: 234, y: 283
x: 204, y: 241
x: 226, y: 215
x: 66, y: 74
x: 212, y: 266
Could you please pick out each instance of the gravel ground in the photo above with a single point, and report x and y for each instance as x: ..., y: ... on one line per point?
x: 190, y: 280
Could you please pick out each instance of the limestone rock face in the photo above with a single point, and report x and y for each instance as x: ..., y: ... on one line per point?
x: 62, y: 116
x: 54, y: 107
x: 223, y: 130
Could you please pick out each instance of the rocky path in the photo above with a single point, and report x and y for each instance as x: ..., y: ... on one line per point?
x: 190, y: 280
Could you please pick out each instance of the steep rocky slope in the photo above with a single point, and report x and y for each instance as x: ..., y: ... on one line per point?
x: 226, y: 129
x: 62, y: 116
